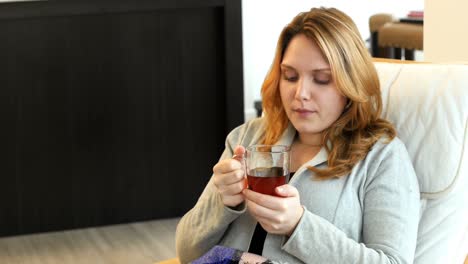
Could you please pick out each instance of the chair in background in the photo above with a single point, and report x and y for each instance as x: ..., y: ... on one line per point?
x: 258, y: 108
x: 428, y: 104
x: 401, y: 39
x: 375, y: 23
x: 393, y: 39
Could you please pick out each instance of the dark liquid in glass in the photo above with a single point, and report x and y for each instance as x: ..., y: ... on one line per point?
x: 265, y: 180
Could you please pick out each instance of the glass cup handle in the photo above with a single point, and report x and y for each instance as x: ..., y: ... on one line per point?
x: 243, y: 161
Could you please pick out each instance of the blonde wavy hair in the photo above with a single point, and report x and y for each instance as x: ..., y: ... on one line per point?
x: 354, y: 133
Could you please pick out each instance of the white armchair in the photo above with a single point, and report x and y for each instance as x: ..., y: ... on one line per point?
x: 428, y: 103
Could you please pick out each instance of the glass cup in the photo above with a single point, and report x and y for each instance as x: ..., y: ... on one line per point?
x: 267, y: 166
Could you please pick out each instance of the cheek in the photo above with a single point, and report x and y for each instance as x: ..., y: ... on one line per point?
x: 341, y: 103
x: 285, y: 96
x: 335, y: 104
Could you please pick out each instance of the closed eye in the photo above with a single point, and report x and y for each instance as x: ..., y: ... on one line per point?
x: 289, y: 75
x: 322, y: 82
x: 290, y: 78
x: 322, y: 78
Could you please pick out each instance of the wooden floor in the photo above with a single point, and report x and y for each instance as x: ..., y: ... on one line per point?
x: 144, y: 242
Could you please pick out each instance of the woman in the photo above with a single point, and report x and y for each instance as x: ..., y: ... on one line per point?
x: 353, y: 198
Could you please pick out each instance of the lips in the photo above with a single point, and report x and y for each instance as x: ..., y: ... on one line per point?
x: 303, y: 110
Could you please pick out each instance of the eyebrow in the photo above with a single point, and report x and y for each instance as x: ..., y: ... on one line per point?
x: 315, y: 70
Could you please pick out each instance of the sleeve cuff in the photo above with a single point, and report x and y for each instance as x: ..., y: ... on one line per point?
x: 239, y: 209
x: 296, y: 230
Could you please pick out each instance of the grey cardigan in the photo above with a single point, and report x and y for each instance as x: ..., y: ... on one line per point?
x: 368, y: 216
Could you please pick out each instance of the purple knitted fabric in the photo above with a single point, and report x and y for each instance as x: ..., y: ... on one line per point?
x: 225, y: 255
x: 220, y: 255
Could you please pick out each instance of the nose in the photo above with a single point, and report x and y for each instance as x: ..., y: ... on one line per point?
x: 303, y: 90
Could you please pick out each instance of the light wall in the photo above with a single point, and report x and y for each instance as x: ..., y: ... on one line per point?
x: 263, y: 20
x: 446, y: 31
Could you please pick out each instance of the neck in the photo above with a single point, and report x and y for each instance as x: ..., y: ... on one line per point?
x: 311, y: 140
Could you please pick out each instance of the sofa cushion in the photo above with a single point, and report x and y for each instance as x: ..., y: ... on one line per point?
x: 428, y: 104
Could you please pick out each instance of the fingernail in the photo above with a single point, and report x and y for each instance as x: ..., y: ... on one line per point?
x: 280, y: 189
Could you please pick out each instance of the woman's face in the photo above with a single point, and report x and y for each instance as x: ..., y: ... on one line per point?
x: 309, y: 94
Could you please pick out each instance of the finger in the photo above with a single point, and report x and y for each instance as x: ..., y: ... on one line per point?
x: 270, y: 227
x: 239, y: 153
x: 233, y: 200
x: 267, y: 225
x: 226, y: 166
x: 232, y: 189
x: 259, y: 211
x: 268, y: 201
x: 229, y: 178
x: 286, y: 190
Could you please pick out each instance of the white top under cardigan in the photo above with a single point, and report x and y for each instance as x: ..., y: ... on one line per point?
x: 368, y: 216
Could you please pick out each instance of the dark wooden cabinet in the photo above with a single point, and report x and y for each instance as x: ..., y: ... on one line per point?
x: 113, y: 112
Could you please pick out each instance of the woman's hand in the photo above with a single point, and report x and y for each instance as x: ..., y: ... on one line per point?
x: 277, y: 215
x: 229, y: 178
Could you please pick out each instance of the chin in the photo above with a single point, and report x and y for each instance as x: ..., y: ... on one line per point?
x: 306, y: 128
